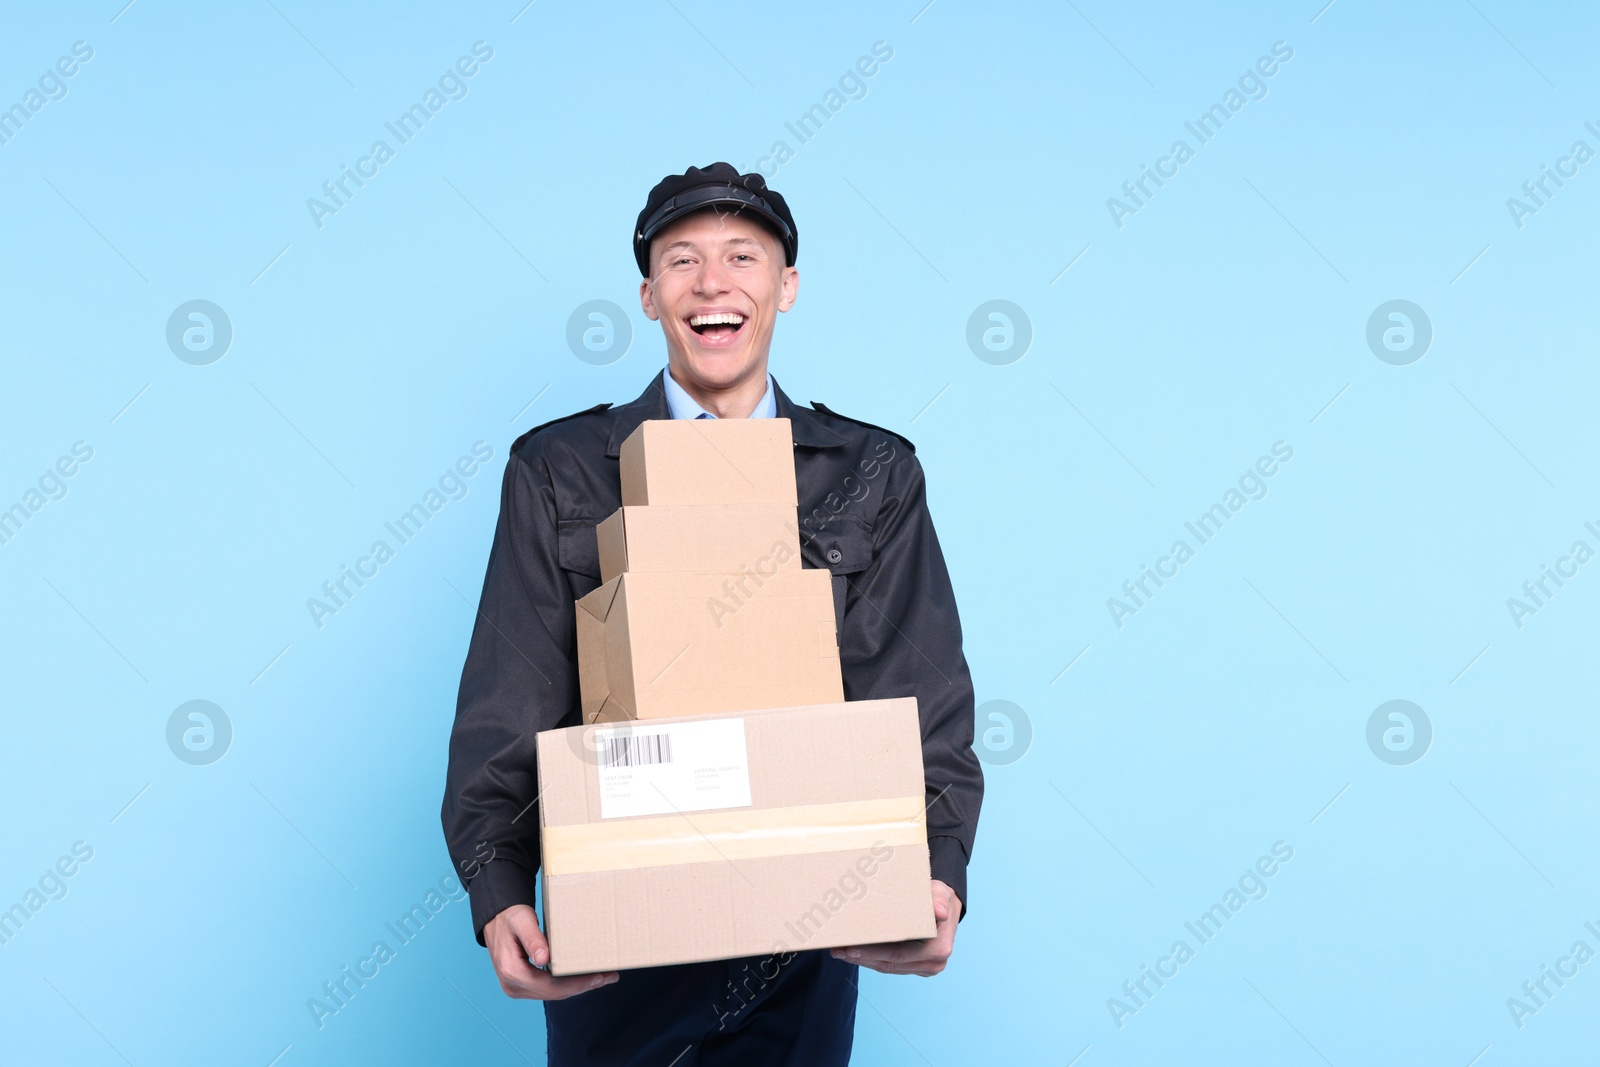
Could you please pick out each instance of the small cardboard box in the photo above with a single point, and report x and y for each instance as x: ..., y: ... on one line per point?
x: 729, y: 538
x: 679, y: 840
x: 684, y: 643
x: 709, y: 461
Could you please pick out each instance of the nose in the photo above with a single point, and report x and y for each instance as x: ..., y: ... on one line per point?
x: 711, y: 279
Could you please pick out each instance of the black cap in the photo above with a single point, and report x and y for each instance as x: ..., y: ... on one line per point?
x: 718, y: 185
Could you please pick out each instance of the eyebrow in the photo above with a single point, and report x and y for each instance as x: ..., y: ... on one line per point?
x: 729, y: 243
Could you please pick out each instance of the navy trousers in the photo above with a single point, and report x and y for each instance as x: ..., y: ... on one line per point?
x: 791, y: 1010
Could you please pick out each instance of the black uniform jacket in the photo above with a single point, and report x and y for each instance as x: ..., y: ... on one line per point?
x: 863, y: 516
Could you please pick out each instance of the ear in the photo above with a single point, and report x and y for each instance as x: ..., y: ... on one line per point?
x: 789, y: 288
x: 647, y: 301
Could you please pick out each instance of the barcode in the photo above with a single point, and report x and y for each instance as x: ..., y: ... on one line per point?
x: 638, y: 750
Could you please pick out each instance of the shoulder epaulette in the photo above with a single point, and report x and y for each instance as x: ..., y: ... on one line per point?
x: 826, y: 410
x: 565, y: 418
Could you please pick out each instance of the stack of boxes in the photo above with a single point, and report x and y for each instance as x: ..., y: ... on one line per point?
x: 704, y: 606
x: 721, y: 798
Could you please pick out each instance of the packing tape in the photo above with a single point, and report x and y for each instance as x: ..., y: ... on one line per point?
x: 745, y: 833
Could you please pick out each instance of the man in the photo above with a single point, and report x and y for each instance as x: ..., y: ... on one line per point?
x: 717, y: 252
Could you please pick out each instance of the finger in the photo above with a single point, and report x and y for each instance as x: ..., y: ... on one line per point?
x: 945, y: 902
x: 921, y: 970
x: 520, y: 955
x: 529, y: 939
x: 890, y: 951
x: 933, y: 951
x: 513, y: 968
x: 511, y: 954
x: 549, y: 987
x: 533, y: 984
x: 896, y: 964
x: 529, y: 981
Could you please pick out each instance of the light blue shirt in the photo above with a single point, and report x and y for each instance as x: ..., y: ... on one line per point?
x: 683, y: 406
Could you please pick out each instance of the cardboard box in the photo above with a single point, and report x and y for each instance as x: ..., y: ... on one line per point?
x: 684, y: 643
x: 709, y: 461
x: 679, y: 840
x: 729, y: 538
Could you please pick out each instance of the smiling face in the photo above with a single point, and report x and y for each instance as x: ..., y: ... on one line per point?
x: 718, y: 282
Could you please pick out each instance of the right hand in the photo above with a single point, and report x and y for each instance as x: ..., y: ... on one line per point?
x: 519, y: 952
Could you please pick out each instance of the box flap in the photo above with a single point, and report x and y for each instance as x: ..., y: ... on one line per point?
x: 620, y: 639
x: 592, y: 611
x: 598, y: 603
x: 612, y: 537
x: 611, y: 710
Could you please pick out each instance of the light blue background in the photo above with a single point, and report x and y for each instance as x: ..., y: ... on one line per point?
x: 425, y: 316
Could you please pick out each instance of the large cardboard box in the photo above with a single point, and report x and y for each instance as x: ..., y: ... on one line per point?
x: 684, y: 643
x: 721, y: 836
x: 708, y: 537
x: 709, y: 461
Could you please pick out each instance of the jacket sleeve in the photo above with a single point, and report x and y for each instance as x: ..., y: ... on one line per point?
x: 520, y: 677
x: 902, y: 636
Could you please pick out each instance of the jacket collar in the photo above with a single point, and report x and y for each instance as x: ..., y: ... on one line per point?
x: 809, y: 430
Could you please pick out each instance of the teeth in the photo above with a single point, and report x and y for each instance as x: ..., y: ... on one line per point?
x: 728, y: 318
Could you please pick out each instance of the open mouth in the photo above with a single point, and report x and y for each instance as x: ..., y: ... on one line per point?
x: 717, y: 328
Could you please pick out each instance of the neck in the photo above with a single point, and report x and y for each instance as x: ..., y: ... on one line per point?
x: 737, y: 401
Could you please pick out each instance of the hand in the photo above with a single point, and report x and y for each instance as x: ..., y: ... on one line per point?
x: 927, y: 957
x: 514, y: 939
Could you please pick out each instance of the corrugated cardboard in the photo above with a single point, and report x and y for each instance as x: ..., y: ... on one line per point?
x: 767, y: 887
x: 683, y: 643
x: 708, y: 537
x: 709, y: 461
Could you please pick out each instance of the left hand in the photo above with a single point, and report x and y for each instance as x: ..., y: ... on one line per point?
x: 927, y: 957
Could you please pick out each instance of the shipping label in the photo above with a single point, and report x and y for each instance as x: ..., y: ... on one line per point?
x: 666, y: 769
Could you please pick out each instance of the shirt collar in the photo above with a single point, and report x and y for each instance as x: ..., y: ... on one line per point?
x: 683, y: 406
x: 810, y: 426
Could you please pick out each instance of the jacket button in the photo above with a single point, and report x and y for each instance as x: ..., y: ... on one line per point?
x: 834, y: 555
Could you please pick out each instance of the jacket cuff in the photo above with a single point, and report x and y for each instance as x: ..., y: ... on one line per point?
x: 947, y: 861
x: 500, y: 884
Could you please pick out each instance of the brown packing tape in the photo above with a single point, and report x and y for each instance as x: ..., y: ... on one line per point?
x: 745, y: 833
